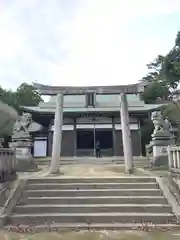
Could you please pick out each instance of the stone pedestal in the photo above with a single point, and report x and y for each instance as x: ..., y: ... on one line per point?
x: 160, y: 141
x: 22, y: 143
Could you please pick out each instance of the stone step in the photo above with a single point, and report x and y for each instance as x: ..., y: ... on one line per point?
x: 109, y: 161
x: 97, y: 162
x: 94, y: 200
x: 113, y: 163
x: 92, y: 180
x: 142, y: 185
x: 92, y: 192
x: 99, y: 217
x: 96, y: 226
x: 90, y: 208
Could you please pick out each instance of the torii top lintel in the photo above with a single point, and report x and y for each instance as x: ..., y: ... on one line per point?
x: 76, y: 90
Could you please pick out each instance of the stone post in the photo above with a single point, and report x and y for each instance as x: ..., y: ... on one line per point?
x: 57, y: 137
x: 114, y: 136
x: 126, y: 135
x: 75, y: 134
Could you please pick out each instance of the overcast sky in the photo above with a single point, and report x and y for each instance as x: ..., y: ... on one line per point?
x: 83, y: 42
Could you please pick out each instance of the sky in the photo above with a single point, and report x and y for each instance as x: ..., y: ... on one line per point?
x: 83, y: 42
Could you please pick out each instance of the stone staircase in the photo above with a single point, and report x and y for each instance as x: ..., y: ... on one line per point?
x: 137, y: 161
x: 97, y: 203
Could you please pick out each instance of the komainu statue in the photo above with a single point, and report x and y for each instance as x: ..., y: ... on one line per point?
x: 23, y: 123
x: 160, y: 124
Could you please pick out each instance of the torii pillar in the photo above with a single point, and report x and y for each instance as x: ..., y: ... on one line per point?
x: 126, y: 135
x: 57, y: 136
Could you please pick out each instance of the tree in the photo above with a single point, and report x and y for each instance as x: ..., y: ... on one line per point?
x: 163, y: 75
x: 8, y: 97
x: 155, y: 68
x: 154, y: 91
x: 172, y: 111
x: 157, y: 87
x: 171, y: 66
x: 25, y: 95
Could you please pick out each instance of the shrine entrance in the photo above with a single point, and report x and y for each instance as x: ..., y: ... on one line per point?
x: 86, y: 141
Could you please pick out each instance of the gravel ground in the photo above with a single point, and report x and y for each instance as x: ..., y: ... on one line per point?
x: 103, y: 235
x: 84, y: 171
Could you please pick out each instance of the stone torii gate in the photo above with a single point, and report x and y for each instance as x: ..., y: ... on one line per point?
x: 60, y: 91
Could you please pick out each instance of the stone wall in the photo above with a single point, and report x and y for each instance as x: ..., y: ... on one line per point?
x: 7, y: 164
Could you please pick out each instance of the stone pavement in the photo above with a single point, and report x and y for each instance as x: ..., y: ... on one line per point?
x: 112, y: 170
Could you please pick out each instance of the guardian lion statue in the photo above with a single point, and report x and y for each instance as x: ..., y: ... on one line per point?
x: 160, y: 124
x: 23, y: 123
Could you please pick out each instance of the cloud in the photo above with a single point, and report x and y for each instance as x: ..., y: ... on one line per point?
x: 81, y: 42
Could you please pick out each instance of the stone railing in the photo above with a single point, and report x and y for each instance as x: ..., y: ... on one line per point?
x: 7, y: 164
x: 174, y: 158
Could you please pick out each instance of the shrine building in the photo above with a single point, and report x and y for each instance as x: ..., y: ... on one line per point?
x: 89, y: 114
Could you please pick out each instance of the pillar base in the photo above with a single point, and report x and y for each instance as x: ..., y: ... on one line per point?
x: 26, y: 165
x: 55, y: 172
x: 58, y: 173
x: 129, y: 171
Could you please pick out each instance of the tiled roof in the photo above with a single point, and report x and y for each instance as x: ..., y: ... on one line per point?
x: 104, y: 103
x: 143, y: 108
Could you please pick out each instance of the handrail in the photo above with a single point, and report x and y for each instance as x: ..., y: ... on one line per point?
x: 174, y: 158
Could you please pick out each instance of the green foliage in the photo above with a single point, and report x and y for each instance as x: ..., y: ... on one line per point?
x: 25, y: 95
x: 172, y: 111
x: 155, y: 68
x: 171, y: 69
x: 155, y: 90
x: 163, y: 75
x: 157, y: 87
x: 9, y: 97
